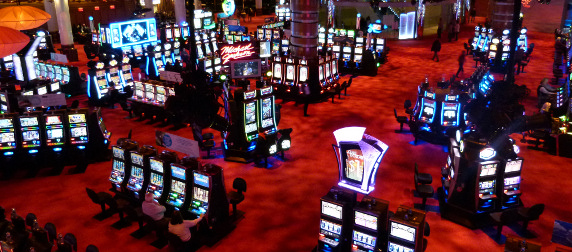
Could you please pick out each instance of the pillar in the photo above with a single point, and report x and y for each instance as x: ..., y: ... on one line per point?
x: 180, y: 11
x: 304, y: 39
x: 258, y: 7
x: 65, y: 29
x: 53, y: 22
x: 149, y: 4
x: 198, y: 4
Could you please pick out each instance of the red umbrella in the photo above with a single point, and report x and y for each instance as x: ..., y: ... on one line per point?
x: 11, y: 41
x: 23, y: 17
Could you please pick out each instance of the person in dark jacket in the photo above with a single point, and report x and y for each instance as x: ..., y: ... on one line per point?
x: 461, y: 63
x: 436, y: 48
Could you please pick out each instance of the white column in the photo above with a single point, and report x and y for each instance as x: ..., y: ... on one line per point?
x: 53, y: 22
x: 198, y: 5
x: 64, y: 23
x: 149, y: 4
x: 180, y: 11
x: 258, y: 7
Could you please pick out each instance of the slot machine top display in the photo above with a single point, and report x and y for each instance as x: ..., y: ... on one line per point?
x: 30, y: 131
x: 78, y: 128
x: 7, y: 134
x: 54, y: 130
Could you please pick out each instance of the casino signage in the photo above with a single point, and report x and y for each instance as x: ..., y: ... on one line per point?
x: 236, y: 51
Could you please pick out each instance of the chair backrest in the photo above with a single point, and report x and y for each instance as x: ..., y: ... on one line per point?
x: 407, y: 104
x: 91, y: 248
x: 92, y: 195
x: 535, y: 211
x: 70, y: 239
x: 416, y: 182
x: 51, y: 229
x: 395, y: 112
x: 509, y: 216
x: 239, y: 184
x: 30, y: 218
x: 350, y: 81
x: 427, y: 230
x: 416, y: 169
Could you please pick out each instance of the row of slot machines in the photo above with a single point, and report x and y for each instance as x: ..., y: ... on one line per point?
x: 184, y: 185
x: 211, y: 64
x: 278, y: 46
x: 348, y: 225
x: 174, y: 32
x: 478, y: 179
x: 48, y: 71
x: 294, y: 74
x: 164, y: 54
x: 497, y: 48
x: 103, y: 76
x: 152, y: 92
x: 439, y: 112
x: 236, y: 37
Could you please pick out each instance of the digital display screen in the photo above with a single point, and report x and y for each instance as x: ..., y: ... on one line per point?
x: 321, y: 72
x: 336, y: 48
x: 156, y: 179
x: 31, y: 135
x: 487, y: 184
x: 347, y: 49
x: 290, y: 72
x: 137, y: 159
x: 201, y: 180
x: 354, y: 165
x: 55, y: 133
x: 393, y: 247
x: 513, y: 166
x: 201, y: 194
x: 402, y: 231
x: 118, y: 166
x: 366, y: 220
x: 76, y: 118
x: 267, y: 119
x: 364, y: 238
x: 136, y: 172
x: 450, y: 112
x: 427, y: 111
x: 55, y: 86
x: 118, y: 153
x: 6, y: 123
x: 178, y: 186
x: 42, y: 90
x: 79, y: 132
x: 330, y: 227
x: 133, y: 32
x: 28, y: 121
x: 488, y: 169
x: 245, y: 69
x: 512, y: 181
x: 178, y: 172
x: 303, y: 74
x: 277, y: 71
x: 156, y: 165
x: 332, y: 210
x: 250, y: 117
x: 2, y: 97
x: 7, y: 137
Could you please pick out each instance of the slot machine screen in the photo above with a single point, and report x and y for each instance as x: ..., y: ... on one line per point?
x: 336, y: 48
x: 277, y: 70
x: 137, y: 159
x: 488, y: 169
x: 42, y: 90
x: 334, y: 67
x: 201, y: 179
x: 512, y: 181
x: 485, y: 186
x: 30, y: 92
x: 450, y: 113
x: 357, y: 58
x: 178, y: 172
x: 7, y: 135
x: 290, y: 72
x: 30, y: 131
x: 118, y: 166
x: 178, y: 186
x: 267, y: 119
x: 354, y: 164
x: 55, y: 86
x: 137, y: 172
x: 347, y: 56
x: 332, y: 210
x: 321, y: 73
x: 303, y: 74
x: 139, y: 94
x: 79, y: 132
x: 513, y: 166
x: 393, y: 247
x: 2, y: 97
x: 3, y: 107
x: 427, y: 111
x: 66, y: 74
x: 358, y: 50
x: 401, y: 231
x: 150, y: 96
x: 328, y: 70
x: 359, y: 40
x: 55, y: 134
x: 364, y: 238
x: 250, y: 116
x: 366, y: 220
x: 76, y: 118
x: 118, y: 153
x: 330, y: 227
x: 156, y: 179
x: 347, y: 49
x: 201, y: 194
x: 156, y: 165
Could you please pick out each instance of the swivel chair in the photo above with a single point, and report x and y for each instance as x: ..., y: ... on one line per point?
x: 504, y: 218
x: 424, y: 191
x: 237, y: 196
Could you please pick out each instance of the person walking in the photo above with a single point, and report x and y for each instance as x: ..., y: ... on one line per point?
x: 461, y: 62
x: 439, y: 28
x: 457, y: 29
x: 436, y: 48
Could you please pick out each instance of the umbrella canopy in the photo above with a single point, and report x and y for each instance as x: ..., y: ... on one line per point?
x: 11, y: 41
x: 23, y: 17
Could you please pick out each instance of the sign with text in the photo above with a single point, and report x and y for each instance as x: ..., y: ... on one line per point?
x: 562, y: 233
x: 47, y: 100
x: 171, y: 76
x: 58, y: 57
x: 236, y: 51
x: 177, y: 143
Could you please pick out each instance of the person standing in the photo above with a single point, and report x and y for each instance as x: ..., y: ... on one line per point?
x: 473, y: 14
x: 440, y: 28
x: 436, y: 48
x: 545, y: 92
x: 457, y: 29
x: 461, y: 63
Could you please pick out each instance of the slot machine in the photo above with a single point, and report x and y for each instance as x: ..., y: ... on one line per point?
x: 522, y: 41
x: 114, y: 75
x: 207, y: 45
x: 41, y: 90
x: 336, y: 220
x: 77, y: 125
x: 126, y: 73
x: 505, y: 45
x: 65, y: 75
x: 208, y: 65
x: 121, y: 164
x: 50, y: 71
x: 209, y: 195
x: 160, y: 172
x: 276, y: 41
x: 358, y: 53
x: 149, y: 93
x: 181, y: 176
x: 493, y: 48
x: 486, y: 180
x: 346, y: 55
x: 8, y: 62
x: 359, y: 41
x: 477, y: 37
x: 57, y: 72
x: 370, y: 224
x: 285, y: 47
x: 268, y: 33
x: 510, y: 195
x: 140, y: 171
x: 321, y: 77
x: 330, y: 39
x: 4, y: 104
x: 185, y: 29
x: 483, y: 39
x: 139, y: 92
x: 277, y: 71
x: 177, y: 51
x: 41, y: 70
x: 167, y: 54
x: 290, y: 72
x: 54, y: 132
x: 97, y: 83
x: 335, y: 73
x: 450, y: 111
x: 428, y: 108
x: 250, y: 116
x: 336, y: 51
x: 266, y: 108
x: 488, y: 41
x: 30, y: 130
x: 176, y: 32
x: 217, y: 64
x: 302, y: 73
x: 260, y: 34
x: 321, y: 38
x: 138, y: 51
x: 128, y: 51
x: 168, y: 33
x: 240, y: 142
x: 55, y: 87
x: 214, y: 42
x: 158, y: 58
x: 8, y: 138
x: 405, y: 230
x: 160, y: 95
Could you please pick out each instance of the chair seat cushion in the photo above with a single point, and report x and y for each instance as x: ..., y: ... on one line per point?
x: 425, y: 190
x: 496, y: 216
x: 425, y: 178
x: 235, y: 197
x: 402, y: 119
x: 209, y: 143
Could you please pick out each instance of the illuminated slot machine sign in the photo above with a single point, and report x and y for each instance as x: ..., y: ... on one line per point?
x: 511, y: 190
x: 428, y: 108
x: 267, y: 110
x: 260, y: 34
x: 167, y: 56
x: 321, y: 75
x: 178, y: 191
x: 485, y: 84
x: 177, y: 31
x: 100, y: 77
x: 328, y: 72
x: 404, y: 234
x: 114, y: 77
x: 135, y: 182
x: 302, y: 74
x: 158, y: 55
x: 322, y: 38
x: 268, y: 33
x: 156, y: 182
x: 250, y: 116
x: 358, y: 54
x: 359, y: 157
x: 522, y: 42
x: 118, y: 169
x: 42, y: 90
x: 208, y: 65
x: 160, y: 97
x: 139, y: 93
x: 58, y: 72
x: 277, y: 71
x: 78, y: 128
x: 359, y: 42
x: 285, y: 46
x: 217, y: 63
x: 493, y: 48
x: 290, y: 76
x: 7, y: 134
x: 347, y: 53
x: 54, y: 130
x: 330, y: 227
x: 30, y: 128
x: 65, y: 74
x: 133, y: 32
x: 128, y: 51
x: 149, y: 92
x: 450, y: 111
x: 200, y: 202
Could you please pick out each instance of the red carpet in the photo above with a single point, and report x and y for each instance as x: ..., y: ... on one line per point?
x: 282, y: 203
